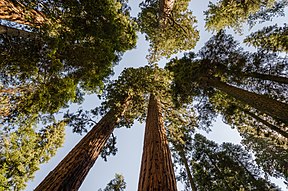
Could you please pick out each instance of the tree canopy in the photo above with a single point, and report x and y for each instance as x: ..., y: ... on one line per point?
x: 170, y: 35
x: 53, y: 53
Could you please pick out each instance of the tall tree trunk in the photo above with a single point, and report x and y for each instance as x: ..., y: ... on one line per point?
x: 279, y: 79
x: 72, y: 170
x: 189, y: 173
x: 266, y: 123
x: 13, y: 32
x: 275, y: 109
x: 157, y: 171
x: 18, y: 13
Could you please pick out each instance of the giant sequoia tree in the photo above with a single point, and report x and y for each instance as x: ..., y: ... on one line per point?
x: 75, y: 48
x: 220, y: 66
x: 126, y: 100
x: 72, y: 170
x: 224, y: 79
x: 157, y: 171
x: 58, y: 58
x: 61, y: 50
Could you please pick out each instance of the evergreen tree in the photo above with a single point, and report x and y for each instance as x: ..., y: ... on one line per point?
x: 23, y: 150
x: 218, y: 68
x: 80, y: 57
x: 272, y: 38
x: 225, y: 167
x: 169, y: 27
x: 233, y: 13
x: 181, y: 139
x: 117, y: 184
x: 125, y: 102
x: 72, y: 170
x: 272, y: 159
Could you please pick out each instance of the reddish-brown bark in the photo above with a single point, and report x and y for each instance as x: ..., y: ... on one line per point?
x: 263, y: 103
x: 17, y: 12
x: 157, y: 171
x: 72, y: 170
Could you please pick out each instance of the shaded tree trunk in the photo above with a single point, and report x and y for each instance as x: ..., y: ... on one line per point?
x: 266, y: 123
x: 13, y: 32
x: 72, y: 170
x: 275, y: 109
x: 189, y: 173
x: 157, y: 171
x: 279, y: 79
x: 16, y: 12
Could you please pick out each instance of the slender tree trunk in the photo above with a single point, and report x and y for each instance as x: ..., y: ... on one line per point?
x: 279, y: 79
x: 157, y: 171
x: 13, y: 32
x: 266, y: 123
x: 72, y: 170
x: 17, y: 12
x: 275, y: 109
x: 189, y: 173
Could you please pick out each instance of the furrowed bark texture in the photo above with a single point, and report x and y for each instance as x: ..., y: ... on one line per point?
x: 157, y: 171
x: 17, y: 12
x: 72, y: 170
x: 275, y: 109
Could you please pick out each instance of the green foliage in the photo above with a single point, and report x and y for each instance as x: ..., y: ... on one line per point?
x: 272, y: 159
x: 117, y: 184
x: 233, y: 13
x: 222, y: 59
x: 249, y: 121
x: 225, y: 167
x: 268, y: 13
x: 70, y: 54
x: 136, y: 85
x: 272, y: 38
x: 23, y: 150
x: 178, y: 34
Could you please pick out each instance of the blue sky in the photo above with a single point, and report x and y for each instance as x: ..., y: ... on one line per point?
x: 130, y: 141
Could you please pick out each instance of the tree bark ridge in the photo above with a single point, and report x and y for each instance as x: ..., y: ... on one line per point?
x: 17, y: 12
x: 157, y: 171
x: 72, y: 170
